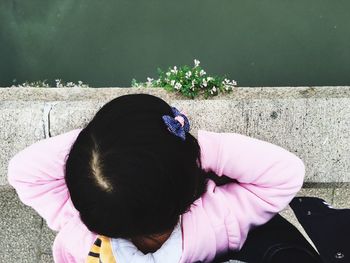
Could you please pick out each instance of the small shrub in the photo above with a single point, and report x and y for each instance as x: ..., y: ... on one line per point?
x: 188, y: 81
x: 43, y: 84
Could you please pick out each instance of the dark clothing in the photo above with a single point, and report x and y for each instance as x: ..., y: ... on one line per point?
x: 278, y: 241
x: 327, y: 227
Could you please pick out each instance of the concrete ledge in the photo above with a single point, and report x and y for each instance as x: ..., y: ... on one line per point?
x: 312, y: 122
x: 67, y: 94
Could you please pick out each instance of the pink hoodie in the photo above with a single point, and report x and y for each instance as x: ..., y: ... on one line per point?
x: 269, y: 177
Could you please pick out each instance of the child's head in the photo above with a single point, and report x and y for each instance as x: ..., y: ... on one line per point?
x: 127, y: 174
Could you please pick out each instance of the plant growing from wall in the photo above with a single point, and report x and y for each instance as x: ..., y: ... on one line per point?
x: 59, y: 84
x: 188, y: 81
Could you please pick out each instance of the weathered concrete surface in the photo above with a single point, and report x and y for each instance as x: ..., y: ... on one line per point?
x: 20, y: 229
x: 83, y: 94
x: 311, y: 122
x: 341, y: 198
x: 316, y: 129
x: 22, y: 123
x: 46, y: 258
x: 46, y: 239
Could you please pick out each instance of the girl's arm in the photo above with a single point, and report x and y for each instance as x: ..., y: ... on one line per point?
x: 37, y: 174
x: 268, y: 176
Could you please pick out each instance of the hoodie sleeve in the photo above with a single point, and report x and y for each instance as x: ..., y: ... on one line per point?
x: 37, y: 174
x: 268, y: 177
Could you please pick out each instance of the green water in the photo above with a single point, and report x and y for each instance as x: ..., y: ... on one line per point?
x: 107, y: 43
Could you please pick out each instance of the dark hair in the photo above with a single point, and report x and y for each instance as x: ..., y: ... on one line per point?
x: 127, y: 175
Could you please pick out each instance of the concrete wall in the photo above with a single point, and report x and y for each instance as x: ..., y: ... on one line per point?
x: 311, y: 122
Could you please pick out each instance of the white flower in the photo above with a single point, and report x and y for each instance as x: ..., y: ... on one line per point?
x: 214, y: 88
x: 188, y: 74
x: 172, y: 83
x: 202, y: 72
x: 205, y: 83
x: 168, y: 74
x: 174, y: 70
x: 58, y: 83
x: 196, y: 63
x: 209, y: 78
x: 178, y: 86
x: 192, y: 84
x: 149, y: 81
x: 227, y: 82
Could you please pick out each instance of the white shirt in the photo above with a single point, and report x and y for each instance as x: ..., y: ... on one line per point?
x: 125, y: 251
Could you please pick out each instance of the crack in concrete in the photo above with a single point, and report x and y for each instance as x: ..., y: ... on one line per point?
x: 333, y: 193
x: 39, y: 248
x: 46, y: 118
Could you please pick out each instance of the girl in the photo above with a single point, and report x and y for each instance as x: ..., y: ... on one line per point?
x: 135, y: 186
